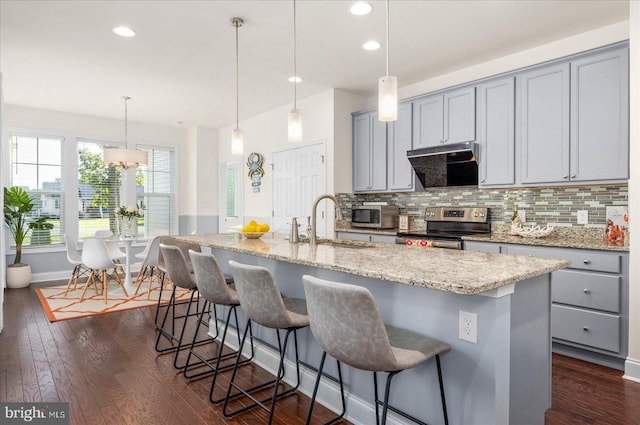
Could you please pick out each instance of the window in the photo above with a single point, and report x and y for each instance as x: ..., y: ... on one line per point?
x: 233, y: 179
x: 156, y: 192
x: 100, y: 190
x: 37, y: 167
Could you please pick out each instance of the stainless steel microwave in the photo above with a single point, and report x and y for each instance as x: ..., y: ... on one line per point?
x: 375, y: 216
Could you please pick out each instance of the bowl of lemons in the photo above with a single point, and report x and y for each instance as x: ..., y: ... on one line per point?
x: 254, y: 230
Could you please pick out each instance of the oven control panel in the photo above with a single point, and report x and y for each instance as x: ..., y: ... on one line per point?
x: 477, y: 215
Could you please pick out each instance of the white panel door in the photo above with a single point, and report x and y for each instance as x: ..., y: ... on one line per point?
x: 299, y: 176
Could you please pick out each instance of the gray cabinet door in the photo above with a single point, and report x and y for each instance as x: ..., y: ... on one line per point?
x: 361, y: 152
x: 496, y: 132
x: 378, y: 154
x: 460, y: 115
x: 599, y: 117
x: 428, y: 121
x: 543, y: 138
x: 369, y: 153
x: 401, y: 176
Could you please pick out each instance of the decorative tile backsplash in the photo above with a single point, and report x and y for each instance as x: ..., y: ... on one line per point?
x: 545, y: 205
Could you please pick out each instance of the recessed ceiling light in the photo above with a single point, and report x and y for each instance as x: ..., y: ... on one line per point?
x: 371, y: 45
x: 295, y: 79
x: 124, y: 31
x: 361, y: 8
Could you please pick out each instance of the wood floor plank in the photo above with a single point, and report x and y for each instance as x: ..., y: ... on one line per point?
x: 107, y: 369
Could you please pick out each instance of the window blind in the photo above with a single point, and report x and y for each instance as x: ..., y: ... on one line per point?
x: 37, y: 167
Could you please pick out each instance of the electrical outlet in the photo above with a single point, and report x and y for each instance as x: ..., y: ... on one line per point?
x: 523, y: 215
x: 468, y: 327
x: 583, y: 217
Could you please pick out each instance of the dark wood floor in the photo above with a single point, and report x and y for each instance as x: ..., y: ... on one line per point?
x: 107, y: 369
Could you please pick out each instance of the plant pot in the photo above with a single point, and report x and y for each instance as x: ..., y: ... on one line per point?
x: 129, y: 227
x: 40, y: 236
x: 18, y: 275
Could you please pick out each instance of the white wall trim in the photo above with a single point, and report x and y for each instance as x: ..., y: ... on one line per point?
x: 359, y: 411
x: 632, y: 370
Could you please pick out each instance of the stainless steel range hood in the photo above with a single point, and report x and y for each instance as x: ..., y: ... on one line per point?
x: 446, y: 165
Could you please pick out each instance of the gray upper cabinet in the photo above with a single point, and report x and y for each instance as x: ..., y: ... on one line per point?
x: 496, y: 132
x: 599, y: 117
x: 543, y: 123
x: 369, y: 153
x: 460, y: 115
x: 444, y: 118
x: 573, y: 120
x: 400, y: 174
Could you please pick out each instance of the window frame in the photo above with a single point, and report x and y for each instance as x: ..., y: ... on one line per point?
x: 63, y: 225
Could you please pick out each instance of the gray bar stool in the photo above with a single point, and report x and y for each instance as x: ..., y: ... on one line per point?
x: 214, y: 287
x: 263, y: 304
x: 178, y: 271
x: 184, y: 247
x: 347, y: 324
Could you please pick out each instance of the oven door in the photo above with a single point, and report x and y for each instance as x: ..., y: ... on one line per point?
x: 427, y: 242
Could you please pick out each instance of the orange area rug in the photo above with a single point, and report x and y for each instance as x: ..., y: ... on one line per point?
x: 58, y: 307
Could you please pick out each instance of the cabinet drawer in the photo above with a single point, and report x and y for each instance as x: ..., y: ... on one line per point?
x: 594, y: 329
x: 582, y: 259
x: 583, y: 289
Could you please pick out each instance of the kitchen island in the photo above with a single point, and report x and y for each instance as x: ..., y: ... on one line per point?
x: 504, y: 378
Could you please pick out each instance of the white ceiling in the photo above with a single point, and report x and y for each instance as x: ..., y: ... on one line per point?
x: 62, y: 55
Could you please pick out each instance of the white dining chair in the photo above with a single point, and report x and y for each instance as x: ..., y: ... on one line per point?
x: 149, y: 267
x: 75, y: 258
x: 117, y: 255
x: 96, y: 257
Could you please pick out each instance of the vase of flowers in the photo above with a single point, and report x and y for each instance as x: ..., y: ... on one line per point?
x: 129, y: 220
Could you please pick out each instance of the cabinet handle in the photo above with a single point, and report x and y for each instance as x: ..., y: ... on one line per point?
x: 482, y: 181
x: 564, y: 176
x: 586, y: 261
x: 586, y: 329
x: 587, y: 290
x: 573, y: 176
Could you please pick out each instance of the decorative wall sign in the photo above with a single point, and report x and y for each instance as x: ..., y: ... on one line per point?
x: 255, y: 161
x: 617, y: 225
x: 403, y: 222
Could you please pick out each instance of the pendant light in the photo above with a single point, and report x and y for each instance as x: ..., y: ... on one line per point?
x: 388, y: 89
x: 237, y: 137
x: 125, y: 158
x: 295, y: 115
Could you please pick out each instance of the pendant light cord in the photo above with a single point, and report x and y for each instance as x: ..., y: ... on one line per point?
x: 236, y: 23
x: 126, y: 142
x: 295, y: 72
x: 387, y: 37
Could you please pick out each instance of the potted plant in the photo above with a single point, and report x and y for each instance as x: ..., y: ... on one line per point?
x: 17, y: 204
x: 41, y: 231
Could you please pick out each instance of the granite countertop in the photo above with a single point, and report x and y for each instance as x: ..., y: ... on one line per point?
x: 461, y: 272
x: 561, y: 237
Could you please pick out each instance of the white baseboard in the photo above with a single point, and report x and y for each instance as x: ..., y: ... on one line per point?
x: 64, y: 274
x: 632, y: 370
x: 359, y: 411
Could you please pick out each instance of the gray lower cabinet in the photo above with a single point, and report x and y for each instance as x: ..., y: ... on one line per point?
x: 366, y: 237
x: 369, y: 153
x: 447, y: 117
x: 589, y: 300
x: 400, y: 174
x: 496, y: 132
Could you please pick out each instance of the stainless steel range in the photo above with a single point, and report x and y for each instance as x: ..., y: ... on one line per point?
x: 446, y: 226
